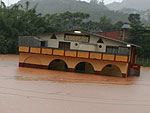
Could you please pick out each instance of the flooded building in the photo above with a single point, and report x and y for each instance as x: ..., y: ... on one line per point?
x: 77, y: 51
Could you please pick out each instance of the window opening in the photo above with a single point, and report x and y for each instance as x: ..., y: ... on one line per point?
x: 112, y: 49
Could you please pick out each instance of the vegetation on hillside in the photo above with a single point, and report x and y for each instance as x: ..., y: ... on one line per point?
x: 94, y: 9
x: 21, y: 20
x: 139, y: 35
x: 133, y: 6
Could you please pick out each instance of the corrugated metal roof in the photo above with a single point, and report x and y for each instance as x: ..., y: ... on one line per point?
x: 126, y: 26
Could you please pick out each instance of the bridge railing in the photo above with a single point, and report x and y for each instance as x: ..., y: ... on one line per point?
x: 75, y: 53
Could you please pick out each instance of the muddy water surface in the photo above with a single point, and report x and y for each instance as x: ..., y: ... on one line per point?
x: 25, y: 90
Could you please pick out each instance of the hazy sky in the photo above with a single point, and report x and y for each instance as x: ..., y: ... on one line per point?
x: 8, y: 2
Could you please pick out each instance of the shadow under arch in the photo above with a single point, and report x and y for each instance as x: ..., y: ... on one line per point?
x: 111, y: 70
x: 84, y: 67
x: 58, y: 65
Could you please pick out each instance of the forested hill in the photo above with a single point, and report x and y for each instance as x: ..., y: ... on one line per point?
x: 134, y: 4
x: 59, y: 6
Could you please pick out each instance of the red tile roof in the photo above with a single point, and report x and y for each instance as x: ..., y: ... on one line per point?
x: 114, y: 34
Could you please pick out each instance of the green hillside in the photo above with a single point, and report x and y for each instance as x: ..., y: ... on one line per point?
x: 59, y: 6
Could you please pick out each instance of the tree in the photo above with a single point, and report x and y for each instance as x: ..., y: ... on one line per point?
x: 21, y: 20
x: 94, y: 1
x: 134, y: 18
x: 67, y: 21
x: 101, y: 2
x: 3, y: 46
x: 2, y: 4
x: 90, y: 26
x: 105, y: 24
x: 16, y: 22
x: 139, y: 35
x: 118, y: 25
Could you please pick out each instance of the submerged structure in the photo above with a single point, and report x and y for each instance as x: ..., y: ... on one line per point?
x: 77, y: 51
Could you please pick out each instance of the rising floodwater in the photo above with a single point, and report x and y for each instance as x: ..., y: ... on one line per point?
x: 25, y: 90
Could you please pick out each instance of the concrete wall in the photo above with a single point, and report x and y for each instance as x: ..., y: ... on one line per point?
x: 91, y: 46
x: 29, y: 41
x: 87, y: 47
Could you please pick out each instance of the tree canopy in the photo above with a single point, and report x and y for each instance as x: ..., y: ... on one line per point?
x: 21, y: 20
x: 139, y: 35
x: 24, y: 21
x: 134, y: 18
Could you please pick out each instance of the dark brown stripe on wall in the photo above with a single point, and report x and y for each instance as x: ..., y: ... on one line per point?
x: 33, y: 66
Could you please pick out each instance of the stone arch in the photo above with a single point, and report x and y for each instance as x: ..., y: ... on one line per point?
x: 111, y: 70
x: 58, y: 64
x: 84, y: 67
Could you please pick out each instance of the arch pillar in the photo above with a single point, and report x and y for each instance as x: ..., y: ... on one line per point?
x: 70, y: 69
x: 97, y: 72
x: 124, y: 75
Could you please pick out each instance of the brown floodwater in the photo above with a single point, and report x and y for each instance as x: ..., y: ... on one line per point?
x: 26, y: 90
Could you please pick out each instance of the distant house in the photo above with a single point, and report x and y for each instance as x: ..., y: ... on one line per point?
x: 117, y: 34
x: 79, y: 52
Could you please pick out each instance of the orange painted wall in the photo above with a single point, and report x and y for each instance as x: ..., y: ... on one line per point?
x: 122, y: 58
x: 58, y: 52
x: 79, y: 54
x: 108, y: 57
x: 95, y: 55
x: 35, y: 50
x: 70, y: 53
x: 83, y: 54
x: 47, y: 51
x: 70, y: 61
x: 23, y: 49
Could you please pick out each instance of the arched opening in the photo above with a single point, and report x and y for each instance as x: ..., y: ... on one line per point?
x: 84, y: 67
x: 111, y: 70
x: 59, y: 65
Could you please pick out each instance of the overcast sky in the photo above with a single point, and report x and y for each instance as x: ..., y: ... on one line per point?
x: 8, y: 2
